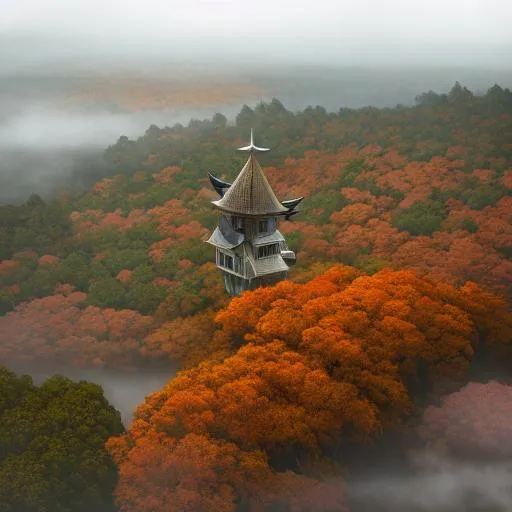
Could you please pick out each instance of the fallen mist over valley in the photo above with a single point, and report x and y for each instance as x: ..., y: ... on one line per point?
x: 54, y: 142
x: 54, y: 128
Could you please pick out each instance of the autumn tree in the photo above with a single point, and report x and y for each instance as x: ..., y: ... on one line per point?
x: 63, y: 328
x: 186, y: 340
x: 408, y: 321
x: 262, y: 398
x: 301, y: 367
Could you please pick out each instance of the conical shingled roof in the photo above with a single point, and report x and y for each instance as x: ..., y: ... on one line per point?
x: 251, y: 193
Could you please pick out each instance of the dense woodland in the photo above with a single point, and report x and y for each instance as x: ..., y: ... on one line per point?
x: 395, y: 322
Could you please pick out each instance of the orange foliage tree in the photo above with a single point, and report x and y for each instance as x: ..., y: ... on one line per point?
x: 301, y: 366
x: 206, y: 429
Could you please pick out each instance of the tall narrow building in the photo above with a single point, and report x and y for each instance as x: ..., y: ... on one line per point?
x: 250, y: 251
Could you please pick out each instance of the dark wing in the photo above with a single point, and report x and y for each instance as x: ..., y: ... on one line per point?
x: 219, y: 185
x: 292, y: 203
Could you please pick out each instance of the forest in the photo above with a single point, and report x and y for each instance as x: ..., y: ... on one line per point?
x: 388, y: 348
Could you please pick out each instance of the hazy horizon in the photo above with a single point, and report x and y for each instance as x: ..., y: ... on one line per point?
x: 220, y: 33
x: 64, y: 65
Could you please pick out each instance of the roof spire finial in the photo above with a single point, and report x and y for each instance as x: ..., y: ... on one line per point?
x: 251, y: 147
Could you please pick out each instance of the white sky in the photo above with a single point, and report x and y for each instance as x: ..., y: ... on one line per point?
x: 287, y: 28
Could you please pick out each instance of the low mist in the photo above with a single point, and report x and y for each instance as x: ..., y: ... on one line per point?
x: 44, y: 149
x: 443, y: 486
x: 45, y: 146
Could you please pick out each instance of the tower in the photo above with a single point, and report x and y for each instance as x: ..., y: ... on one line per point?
x: 250, y: 251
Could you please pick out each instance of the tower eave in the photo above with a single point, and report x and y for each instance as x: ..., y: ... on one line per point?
x: 271, y: 265
x: 248, y: 213
x: 217, y: 239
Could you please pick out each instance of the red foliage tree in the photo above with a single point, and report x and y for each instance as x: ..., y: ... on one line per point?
x: 63, y: 328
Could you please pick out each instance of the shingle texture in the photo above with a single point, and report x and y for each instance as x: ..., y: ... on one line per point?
x: 251, y: 193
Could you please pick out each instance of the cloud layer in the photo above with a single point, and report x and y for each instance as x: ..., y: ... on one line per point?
x: 365, y: 31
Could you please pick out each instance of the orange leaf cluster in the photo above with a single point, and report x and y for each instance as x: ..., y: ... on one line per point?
x: 187, y: 340
x: 169, y: 216
x: 7, y: 266
x: 124, y: 276
x: 103, y: 187
x: 97, y: 220
x: 470, y: 244
x: 48, y: 260
x: 166, y: 176
x: 134, y: 93
x: 181, y: 442
x: 62, y: 328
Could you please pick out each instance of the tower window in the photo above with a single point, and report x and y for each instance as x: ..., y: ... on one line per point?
x: 239, y: 264
x: 225, y: 260
x: 268, y: 250
x: 238, y: 223
x: 263, y: 226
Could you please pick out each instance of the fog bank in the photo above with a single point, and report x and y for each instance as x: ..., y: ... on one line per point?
x: 266, y: 33
x: 443, y: 487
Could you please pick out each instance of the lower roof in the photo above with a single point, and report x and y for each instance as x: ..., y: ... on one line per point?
x: 219, y: 240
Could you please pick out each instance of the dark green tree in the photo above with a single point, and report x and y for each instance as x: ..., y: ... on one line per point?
x: 422, y: 218
x: 106, y: 293
x: 430, y: 99
x: 459, y: 94
x: 245, y: 119
x: 52, y: 438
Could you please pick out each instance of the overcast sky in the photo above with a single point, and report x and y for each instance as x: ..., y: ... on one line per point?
x: 378, y: 31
